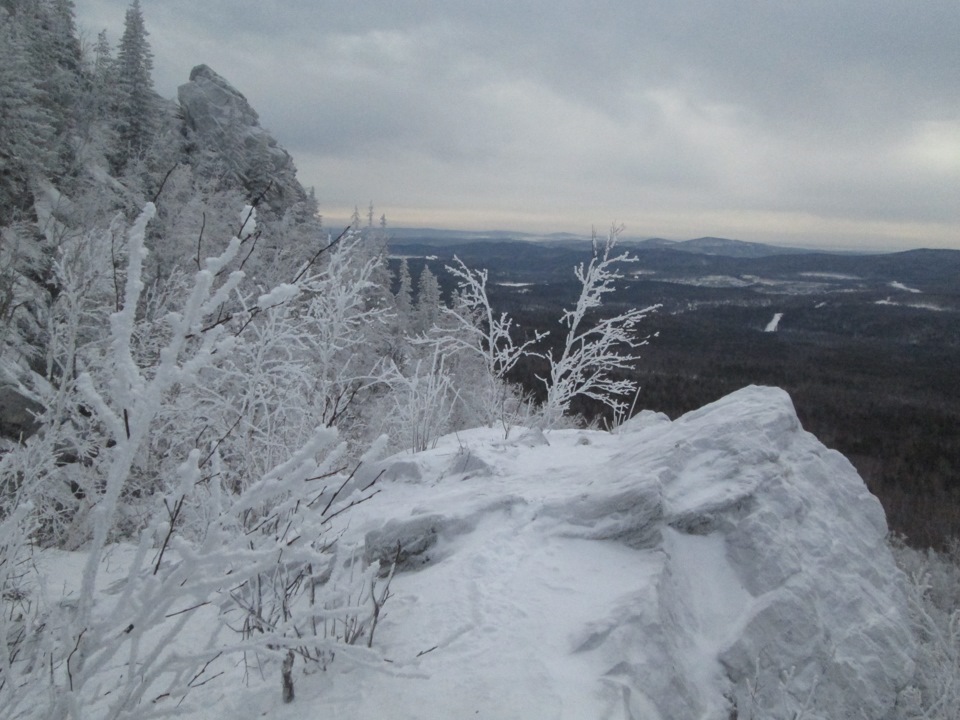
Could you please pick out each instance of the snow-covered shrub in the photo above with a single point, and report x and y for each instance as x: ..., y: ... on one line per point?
x: 213, y: 426
x: 422, y: 401
x: 933, y: 592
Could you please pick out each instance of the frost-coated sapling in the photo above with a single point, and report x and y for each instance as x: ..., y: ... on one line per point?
x: 594, y: 356
x: 486, y: 336
x: 479, y: 329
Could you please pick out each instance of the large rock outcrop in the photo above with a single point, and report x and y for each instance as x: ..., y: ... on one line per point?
x: 723, y: 565
x: 229, y: 141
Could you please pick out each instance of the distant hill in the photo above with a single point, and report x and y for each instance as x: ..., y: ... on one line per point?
x: 720, y: 247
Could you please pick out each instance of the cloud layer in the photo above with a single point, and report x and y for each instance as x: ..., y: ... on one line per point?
x: 816, y: 122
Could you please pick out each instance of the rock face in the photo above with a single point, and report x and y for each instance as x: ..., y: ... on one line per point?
x: 723, y: 565
x: 228, y: 137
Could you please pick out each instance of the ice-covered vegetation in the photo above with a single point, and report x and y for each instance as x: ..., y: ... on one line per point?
x: 199, y: 384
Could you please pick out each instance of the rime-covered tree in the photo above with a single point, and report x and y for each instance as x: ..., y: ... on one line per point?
x: 26, y: 123
x: 404, y: 297
x: 595, y: 353
x: 428, y: 301
x: 55, y: 57
x: 61, y: 31
x: 135, y: 100
x: 102, y: 57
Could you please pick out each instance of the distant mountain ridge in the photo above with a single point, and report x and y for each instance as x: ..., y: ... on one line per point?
x: 723, y: 247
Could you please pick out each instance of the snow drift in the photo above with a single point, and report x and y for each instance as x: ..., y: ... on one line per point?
x: 726, y: 564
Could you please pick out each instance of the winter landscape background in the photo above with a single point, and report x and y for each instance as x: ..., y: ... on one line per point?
x: 256, y: 466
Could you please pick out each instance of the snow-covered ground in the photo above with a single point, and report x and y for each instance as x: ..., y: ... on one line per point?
x: 774, y: 323
x: 726, y: 562
x: 915, y: 305
x: 830, y: 276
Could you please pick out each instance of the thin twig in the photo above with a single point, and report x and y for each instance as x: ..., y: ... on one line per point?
x: 217, y: 444
x: 203, y: 224
x: 70, y: 657
x: 186, y: 610
x: 163, y: 182
x: 320, y: 252
x: 173, y: 515
x: 347, y: 507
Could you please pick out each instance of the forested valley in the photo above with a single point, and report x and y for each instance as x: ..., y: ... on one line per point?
x: 868, y: 347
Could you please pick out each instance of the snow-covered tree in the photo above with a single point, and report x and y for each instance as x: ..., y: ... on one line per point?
x: 136, y: 105
x: 404, y: 297
x: 202, y: 434
x: 428, y: 302
x: 27, y: 125
x: 423, y: 400
x: 479, y: 329
x: 481, y: 334
x: 595, y: 352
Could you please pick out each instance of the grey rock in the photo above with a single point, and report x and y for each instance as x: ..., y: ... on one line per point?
x: 228, y: 137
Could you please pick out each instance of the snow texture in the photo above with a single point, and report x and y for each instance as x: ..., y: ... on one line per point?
x: 726, y: 564
x: 774, y: 323
x: 900, y: 286
x: 722, y: 565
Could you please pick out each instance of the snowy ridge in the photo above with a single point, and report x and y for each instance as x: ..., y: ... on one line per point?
x: 723, y: 565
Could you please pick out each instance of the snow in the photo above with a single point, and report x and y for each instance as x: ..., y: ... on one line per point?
x: 774, y: 323
x: 830, y: 276
x: 900, y: 286
x: 722, y: 563
x: 279, y: 295
x: 914, y: 305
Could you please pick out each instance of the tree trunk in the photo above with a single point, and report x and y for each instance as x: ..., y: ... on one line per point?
x: 286, y: 677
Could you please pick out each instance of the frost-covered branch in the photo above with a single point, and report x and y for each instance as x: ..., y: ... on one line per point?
x: 479, y: 329
x: 594, y: 356
x: 222, y: 440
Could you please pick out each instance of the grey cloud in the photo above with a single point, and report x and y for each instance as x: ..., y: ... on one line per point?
x: 752, y: 107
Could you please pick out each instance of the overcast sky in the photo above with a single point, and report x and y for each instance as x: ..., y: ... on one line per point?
x: 815, y: 122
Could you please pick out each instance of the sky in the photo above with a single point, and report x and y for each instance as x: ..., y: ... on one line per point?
x: 828, y: 123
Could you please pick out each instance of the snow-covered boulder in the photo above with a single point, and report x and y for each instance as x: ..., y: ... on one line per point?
x: 226, y: 128
x: 723, y: 565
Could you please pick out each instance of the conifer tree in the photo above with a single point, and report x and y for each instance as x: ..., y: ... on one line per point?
x: 405, y: 292
x: 64, y: 47
x: 134, y: 86
x: 26, y: 123
x: 428, y: 301
x: 102, y: 59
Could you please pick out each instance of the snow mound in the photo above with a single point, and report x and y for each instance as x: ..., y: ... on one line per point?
x: 722, y: 565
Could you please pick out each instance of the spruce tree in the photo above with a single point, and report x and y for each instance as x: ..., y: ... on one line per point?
x: 405, y: 293
x: 135, y: 100
x: 26, y: 123
x: 428, y: 301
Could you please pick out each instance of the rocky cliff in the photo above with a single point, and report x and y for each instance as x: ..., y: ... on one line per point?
x: 723, y: 565
x: 228, y: 141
